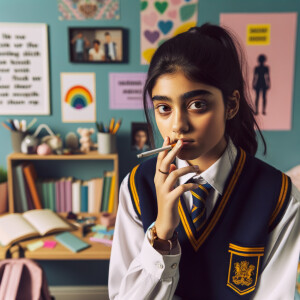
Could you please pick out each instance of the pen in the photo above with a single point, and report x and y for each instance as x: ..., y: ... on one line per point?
x: 151, y: 152
x: 31, y: 123
x: 17, y: 124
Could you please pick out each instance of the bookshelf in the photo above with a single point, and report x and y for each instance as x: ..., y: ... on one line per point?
x: 97, y: 250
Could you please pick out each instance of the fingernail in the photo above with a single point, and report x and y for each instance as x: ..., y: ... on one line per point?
x: 166, y: 138
x: 179, y: 143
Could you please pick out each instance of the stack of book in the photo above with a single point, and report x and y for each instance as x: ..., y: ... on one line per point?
x: 64, y: 194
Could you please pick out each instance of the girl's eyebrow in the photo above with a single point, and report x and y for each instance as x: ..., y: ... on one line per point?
x: 185, y: 96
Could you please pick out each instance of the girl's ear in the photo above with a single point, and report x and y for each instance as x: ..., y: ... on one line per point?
x: 233, y: 105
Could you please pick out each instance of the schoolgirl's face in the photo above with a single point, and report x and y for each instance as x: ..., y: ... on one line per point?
x: 191, y: 111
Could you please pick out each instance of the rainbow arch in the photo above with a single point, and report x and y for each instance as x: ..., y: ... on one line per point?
x: 78, y: 97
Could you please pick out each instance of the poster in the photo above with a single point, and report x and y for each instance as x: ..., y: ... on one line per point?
x: 161, y: 20
x: 24, y: 69
x: 126, y: 90
x: 269, y: 40
x: 88, y: 9
x: 78, y: 97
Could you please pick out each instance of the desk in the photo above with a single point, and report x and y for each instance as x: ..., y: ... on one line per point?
x: 97, y: 251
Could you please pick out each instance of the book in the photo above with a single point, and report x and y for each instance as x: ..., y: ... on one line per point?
x: 57, y: 196
x: 94, y: 194
x: 44, y: 194
x: 76, y: 196
x: 51, y: 194
x: 62, y: 194
x: 84, y: 197
x: 30, y: 177
x: 98, y: 194
x: 20, y: 201
x: 111, y: 199
x: 106, y: 190
x: 33, y: 223
x: 68, y: 194
x: 71, y: 241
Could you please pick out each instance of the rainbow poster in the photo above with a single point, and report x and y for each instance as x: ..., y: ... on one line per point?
x: 78, y: 97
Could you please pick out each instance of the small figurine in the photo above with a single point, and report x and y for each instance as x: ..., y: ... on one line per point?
x: 85, y: 139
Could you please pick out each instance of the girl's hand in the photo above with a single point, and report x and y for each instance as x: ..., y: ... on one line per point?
x: 167, y: 195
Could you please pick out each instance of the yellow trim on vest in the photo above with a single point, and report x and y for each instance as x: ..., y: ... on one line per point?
x: 133, y: 189
x: 197, y: 243
x: 282, y: 197
x: 246, y: 249
x: 246, y: 254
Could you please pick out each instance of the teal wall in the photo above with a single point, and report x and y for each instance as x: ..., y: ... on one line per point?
x: 283, y: 146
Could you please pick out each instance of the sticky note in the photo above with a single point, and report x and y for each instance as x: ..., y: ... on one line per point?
x: 50, y: 244
x: 35, y: 245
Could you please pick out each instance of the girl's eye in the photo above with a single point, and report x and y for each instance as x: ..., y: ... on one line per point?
x: 163, y: 109
x: 199, y: 105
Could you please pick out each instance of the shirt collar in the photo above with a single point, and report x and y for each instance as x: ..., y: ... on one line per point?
x: 217, y: 173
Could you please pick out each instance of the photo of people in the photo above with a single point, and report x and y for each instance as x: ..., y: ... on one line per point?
x: 139, y: 137
x: 96, y: 45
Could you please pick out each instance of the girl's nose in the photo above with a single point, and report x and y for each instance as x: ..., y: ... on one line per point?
x: 180, y: 122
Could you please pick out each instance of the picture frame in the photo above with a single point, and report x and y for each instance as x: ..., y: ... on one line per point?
x: 97, y: 45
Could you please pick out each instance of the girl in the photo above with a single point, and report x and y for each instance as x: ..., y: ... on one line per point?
x: 205, y: 220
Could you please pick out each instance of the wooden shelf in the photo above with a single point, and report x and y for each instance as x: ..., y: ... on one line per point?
x: 97, y: 250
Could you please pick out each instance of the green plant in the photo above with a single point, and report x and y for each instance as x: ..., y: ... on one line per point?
x: 3, y: 175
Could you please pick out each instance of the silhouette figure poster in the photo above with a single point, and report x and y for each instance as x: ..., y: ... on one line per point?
x: 268, y: 40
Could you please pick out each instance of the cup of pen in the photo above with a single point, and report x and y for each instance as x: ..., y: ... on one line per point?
x: 16, y: 140
x: 107, y: 143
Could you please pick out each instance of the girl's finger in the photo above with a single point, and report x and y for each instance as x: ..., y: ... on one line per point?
x: 162, y: 155
x: 170, y: 156
x: 177, y: 192
x: 173, y: 177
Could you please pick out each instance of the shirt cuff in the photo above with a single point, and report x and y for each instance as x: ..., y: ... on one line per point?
x: 160, y: 266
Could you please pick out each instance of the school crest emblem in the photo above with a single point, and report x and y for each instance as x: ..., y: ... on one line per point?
x: 243, y: 268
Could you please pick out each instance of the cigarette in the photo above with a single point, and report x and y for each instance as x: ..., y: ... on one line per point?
x: 154, y: 151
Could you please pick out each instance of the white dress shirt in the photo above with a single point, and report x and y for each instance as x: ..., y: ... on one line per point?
x: 138, y: 271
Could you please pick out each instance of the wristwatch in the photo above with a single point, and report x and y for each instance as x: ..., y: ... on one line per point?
x: 162, y: 246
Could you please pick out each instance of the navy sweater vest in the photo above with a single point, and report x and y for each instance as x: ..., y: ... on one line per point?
x: 223, y: 260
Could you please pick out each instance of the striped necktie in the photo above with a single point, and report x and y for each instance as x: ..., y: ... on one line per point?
x: 198, y: 210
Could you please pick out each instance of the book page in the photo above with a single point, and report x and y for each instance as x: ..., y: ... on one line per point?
x: 46, y: 221
x: 14, y: 227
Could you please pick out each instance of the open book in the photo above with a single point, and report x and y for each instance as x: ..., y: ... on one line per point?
x: 33, y: 223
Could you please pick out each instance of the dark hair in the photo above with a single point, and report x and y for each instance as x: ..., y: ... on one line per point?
x: 97, y: 42
x: 106, y: 33
x: 262, y: 58
x: 209, y: 54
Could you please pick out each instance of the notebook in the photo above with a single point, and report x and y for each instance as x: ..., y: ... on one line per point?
x: 71, y: 241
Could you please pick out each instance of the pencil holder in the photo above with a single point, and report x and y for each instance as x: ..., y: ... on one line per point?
x: 106, y: 143
x: 16, y: 140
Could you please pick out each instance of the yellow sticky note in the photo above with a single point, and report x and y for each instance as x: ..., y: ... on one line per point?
x: 258, y: 34
x: 35, y: 245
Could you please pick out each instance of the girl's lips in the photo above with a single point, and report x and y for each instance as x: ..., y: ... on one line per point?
x: 185, y: 141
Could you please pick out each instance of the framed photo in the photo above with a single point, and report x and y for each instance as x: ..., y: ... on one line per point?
x: 97, y: 45
x: 139, y: 137
x: 24, y: 71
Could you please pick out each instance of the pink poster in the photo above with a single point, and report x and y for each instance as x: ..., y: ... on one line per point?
x: 126, y: 90
x: 161, y: 20
x: 269, y: 41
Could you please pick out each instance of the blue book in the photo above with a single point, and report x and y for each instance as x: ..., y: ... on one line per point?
x: 71, y: 241
x: 84, y: 197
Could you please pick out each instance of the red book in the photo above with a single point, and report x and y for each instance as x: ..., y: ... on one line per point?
x: 30, y: 177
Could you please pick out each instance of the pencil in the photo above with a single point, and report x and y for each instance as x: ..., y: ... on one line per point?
x: 6, y: 126
x: 117, y: 126
x: 151, y: 152
x: 111, y: 125
x: 31, y: 123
